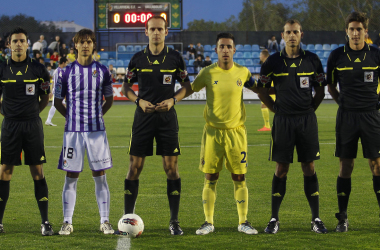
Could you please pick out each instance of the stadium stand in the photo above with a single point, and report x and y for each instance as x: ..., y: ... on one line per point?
x: 326, y: 47
x: 111, y: 62
x: 255, y: 55
x: 239, y: 55
x: 207, y: 47
x: 214, y: 55
x: 334, y: 46
x: 239, y: 47
x: 318, y: 47
x: 241, y: 62
x: 255, y: 48
x: 121, y: 49
x: 326, y: 54
x: 119, y: 63
x: 247, y: 55
x: 247, y: 47
x: 248, y: 62
x: 137, y: 48
x: 130, y: 48
x: 103, y: 55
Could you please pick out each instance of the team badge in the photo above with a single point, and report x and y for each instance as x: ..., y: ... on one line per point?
x: 60, y: 74
x: 58, y: 90
x: 304, y: 82
x: 368, y: 76
x: 320, y: 78
x: 30, y: 89
x: 182, y: 74
x: 129, y: 75
x: 239, y: 83
x: 265, y: 79
x: 95, y: 73
x: 45, y: 85
x: 167, y: 79
x: 65, y: 164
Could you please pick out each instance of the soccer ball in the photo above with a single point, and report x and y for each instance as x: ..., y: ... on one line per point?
x: 131, y: 225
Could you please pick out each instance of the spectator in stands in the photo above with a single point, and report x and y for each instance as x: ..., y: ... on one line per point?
x: 54, y: 57
x: 71, y: 56
x: 120, y: 75
x: 2, y: 44
x: 37, y: 48
x: 96, y: 56
x: 52, y: 64
x: 207, y: 61
x: 44, y: 44
x: 37, y: 56
x: 190, y: 52
x: 63, y: 51
x: 50, y: 70
x: 198, y: 64
x: 264, y: 54
x: 199, y: 49
x: 42, y: 61
x: 3, y: 56
x: 368, y: 40
x: 282, y: 44
x: 272, y: 44
x: 55, y: 45
x: 112, y: 70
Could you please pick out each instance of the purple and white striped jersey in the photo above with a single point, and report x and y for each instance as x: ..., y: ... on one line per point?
x: 57, y: 73
x: 84, y: 88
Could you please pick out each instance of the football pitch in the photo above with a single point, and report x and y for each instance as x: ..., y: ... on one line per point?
x: 22, y: 219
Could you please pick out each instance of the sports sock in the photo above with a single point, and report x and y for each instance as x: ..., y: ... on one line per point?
x: 376, y: 187
x: 278, y: 193
x: 42, y: 196
x: 174, y: 196
x: 131, y: 190
x: 265, y: 112
x: 208, y: 199
x: 241, y: 198
x: 51, y: 114
x: 69, y: 195
x: 311, y: 188
x: 343, y: 188
x: 4, y: 195
x: 102, y: 193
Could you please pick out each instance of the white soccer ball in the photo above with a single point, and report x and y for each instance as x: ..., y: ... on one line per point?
x: 131, y: 225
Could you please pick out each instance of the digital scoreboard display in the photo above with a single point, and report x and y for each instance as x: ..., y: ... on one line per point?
x: 135, y: 15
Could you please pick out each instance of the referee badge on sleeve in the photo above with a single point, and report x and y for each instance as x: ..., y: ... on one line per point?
x: 30, y: 89
x: 304, y: 82
x: 368, y: 76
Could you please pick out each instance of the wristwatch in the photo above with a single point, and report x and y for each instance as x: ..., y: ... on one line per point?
x: 175, y: 100
x: 137, y: 101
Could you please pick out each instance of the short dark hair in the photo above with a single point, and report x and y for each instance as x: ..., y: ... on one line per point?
x: 225, y: 35
x: 293, y: 21
x: 83, y: 34
x: 18, y: 30
x: 156, y: 17
x: 265, y: 52
x: 360, y: 17
x: 62, y: 60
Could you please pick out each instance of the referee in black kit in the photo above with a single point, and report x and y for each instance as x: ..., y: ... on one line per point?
x: 23, y: 82
x: 156, y: 69
x: 294, y: 73
x: 356, y: 67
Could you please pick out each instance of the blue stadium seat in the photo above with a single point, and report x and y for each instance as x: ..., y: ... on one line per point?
x: 325, y: 69
x: 207, y: 47
x: 186, y: 61
x: 190, y: 70
x: 111, y: 62
x: 191, y: 78
x: 191, y: 62
x: 239, y: 47
x: 255, y: 48
x: 207, y: 54
x: 103, y: 56
x: 241, y: 62
x: 247, y: 47
x: 324, y: 62
x: 255, y: 55
x: 119, y: 63
x: 171, y: 46
x: 256, y: 61
x: 326, y: 54
x: 104, y: 62
x: 213, y: 47
x: 121, y: 48
x: 239, y: 55
x: 126, y: 63
x: 326, y: 47
x: 257, y: 70
x: 341, y: 45
x: 310, y: 47
x: 130, y: 48
x: 334, y: 46
x: 304, y: 46
x: 137, y: 48
x: 318, y: 47
x: 247, y: 55
x: 319, y: 54
x: 143, y: 47
x: 214, y: 60
x: 251, y: 69
x: 248, y: 62
x: 214, y: 55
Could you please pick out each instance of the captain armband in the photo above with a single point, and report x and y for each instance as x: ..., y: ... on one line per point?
x: 250, y: 83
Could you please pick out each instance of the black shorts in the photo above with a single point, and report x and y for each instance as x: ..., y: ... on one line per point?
x: 22, y: 135
x: 160, y: 126
x: 350, y: 126
x: 295, y: 130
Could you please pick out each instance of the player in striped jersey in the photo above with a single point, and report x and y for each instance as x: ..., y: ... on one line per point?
x: 83, y: 84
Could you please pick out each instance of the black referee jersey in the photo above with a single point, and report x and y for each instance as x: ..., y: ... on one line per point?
x: 21, y: 85
x: 293, y: 79
x: 357, y: 72
x: 156, y: 74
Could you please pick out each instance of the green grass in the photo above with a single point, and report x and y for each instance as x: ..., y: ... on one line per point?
x: 22, y: 220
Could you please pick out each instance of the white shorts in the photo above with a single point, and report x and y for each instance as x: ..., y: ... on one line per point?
x: 96, y: 145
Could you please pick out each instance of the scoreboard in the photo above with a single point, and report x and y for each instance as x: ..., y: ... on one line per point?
x: 133, y: 14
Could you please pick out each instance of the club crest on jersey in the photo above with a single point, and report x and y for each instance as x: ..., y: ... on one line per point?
x: 265, y: 79
x: 30, y: 89
x: 45, y: 85
x: 320, y: 78
x: 304, y: 82
x: 203, y: 161
x: 58, y: 90
x: 368, y: 76
x: 183, y: 74
x: 60, y: 74
x: 95, y: 73
x: 239, y: 83
x: 129, y: 75
x: 65, y: 164
x: 167, y: 79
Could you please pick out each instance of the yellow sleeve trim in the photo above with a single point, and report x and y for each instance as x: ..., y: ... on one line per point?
x: 6, y: 81
x: 146, y: 70
x: 305, y: 74
x: 35, y: 80
x: 346, y: 68
x: 371, y: 67
x: 281, y: 74
x: 168, y: 70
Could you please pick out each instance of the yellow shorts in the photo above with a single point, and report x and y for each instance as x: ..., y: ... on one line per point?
x: 273, y: 97
x: 224, y: 143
